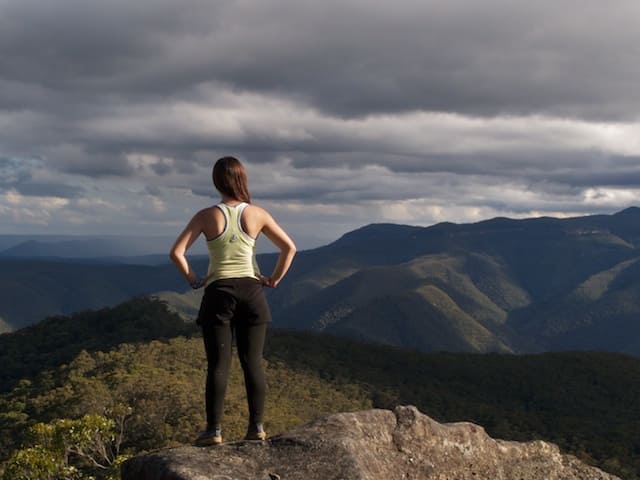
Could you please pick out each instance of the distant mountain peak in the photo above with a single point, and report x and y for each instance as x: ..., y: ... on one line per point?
x: 629, y: 211
x: 377, y: 231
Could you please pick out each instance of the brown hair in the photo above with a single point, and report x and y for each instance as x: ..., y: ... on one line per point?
x: 230, y: 178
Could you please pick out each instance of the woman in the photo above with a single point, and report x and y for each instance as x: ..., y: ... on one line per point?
x: 233, y: 299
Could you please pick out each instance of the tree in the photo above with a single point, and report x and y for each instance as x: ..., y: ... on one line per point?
x: 68, y: 449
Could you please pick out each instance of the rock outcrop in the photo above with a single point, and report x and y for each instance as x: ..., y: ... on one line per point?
x: 374, y: 444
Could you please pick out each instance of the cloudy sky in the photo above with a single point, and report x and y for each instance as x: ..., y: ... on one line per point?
x: 346, y: 112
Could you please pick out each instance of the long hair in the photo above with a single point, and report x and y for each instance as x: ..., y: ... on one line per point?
x: 230, y: 178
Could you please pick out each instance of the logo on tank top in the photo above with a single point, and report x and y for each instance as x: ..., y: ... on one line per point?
x: 233, y: 239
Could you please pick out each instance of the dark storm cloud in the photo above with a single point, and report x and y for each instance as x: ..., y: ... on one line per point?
x: 18, y: 174
x: 353, y: 108
x: 572, y: 169
x: 88, y: 163
x: 77, y: 44
x: 350, y: 58
x: 101, y: 79
x: 40, y: 189
x: 602, y: 176
x: 153, y: 190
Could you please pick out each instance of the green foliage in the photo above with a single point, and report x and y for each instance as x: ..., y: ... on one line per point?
x: 68, y: 449
x: 150, y: 395
x: 36, y: 463
x: 57, y: 340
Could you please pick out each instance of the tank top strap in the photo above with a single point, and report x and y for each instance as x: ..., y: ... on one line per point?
x: 226, y: 214
x: 240, y: 210
x: 233, y: 217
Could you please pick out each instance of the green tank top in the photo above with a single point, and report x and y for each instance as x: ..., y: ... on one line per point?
x: 232, y: 254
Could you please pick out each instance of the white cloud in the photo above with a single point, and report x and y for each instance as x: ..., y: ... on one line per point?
x: 17, y: 208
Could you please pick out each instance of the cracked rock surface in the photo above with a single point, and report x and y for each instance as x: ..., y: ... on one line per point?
x: 374, y: 444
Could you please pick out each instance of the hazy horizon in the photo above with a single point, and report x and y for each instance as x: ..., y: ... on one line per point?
x: 263, y: 245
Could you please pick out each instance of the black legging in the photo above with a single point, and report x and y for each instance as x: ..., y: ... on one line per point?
x: 250, y: 343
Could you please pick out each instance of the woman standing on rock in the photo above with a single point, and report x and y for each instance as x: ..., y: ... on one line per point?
x: 233, y: 300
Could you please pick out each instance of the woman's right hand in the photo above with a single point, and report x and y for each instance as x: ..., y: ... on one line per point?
x: 267, y: 281
x: 287, y: 248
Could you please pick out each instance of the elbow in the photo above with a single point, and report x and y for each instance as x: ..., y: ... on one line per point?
x: 288, y: 250
x: 174, y: 256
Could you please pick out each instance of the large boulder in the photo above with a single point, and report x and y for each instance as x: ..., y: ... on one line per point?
x: 374, y: 444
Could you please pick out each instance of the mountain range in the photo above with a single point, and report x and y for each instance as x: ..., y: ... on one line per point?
x: 500, y: 285
x: 81, y: 246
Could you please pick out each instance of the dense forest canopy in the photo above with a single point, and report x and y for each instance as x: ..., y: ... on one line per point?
x: 142, y: 389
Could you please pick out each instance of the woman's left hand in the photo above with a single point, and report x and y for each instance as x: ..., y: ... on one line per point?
x: 199, y: 283
x: 266, y: 281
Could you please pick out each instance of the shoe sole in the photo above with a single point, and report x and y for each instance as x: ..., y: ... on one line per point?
x: 206, y: 442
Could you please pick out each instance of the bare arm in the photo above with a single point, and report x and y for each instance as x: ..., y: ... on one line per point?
x: 182, y: 244
x: 287, y: 248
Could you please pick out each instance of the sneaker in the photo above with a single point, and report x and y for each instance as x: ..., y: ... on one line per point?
x: 209, y: 437
x: 256, y: 432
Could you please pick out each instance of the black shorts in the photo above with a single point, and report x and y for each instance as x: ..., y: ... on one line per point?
x: 234, y: 301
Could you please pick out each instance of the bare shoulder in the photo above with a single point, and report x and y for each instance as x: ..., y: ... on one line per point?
x: 211, y: 212
x: 257, y: 213
x: 200, y: 215
x: 211, y: 221
x: 265, y: 223
x: 208, y: 211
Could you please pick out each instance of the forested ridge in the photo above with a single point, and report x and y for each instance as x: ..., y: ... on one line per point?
x: 87, y: 398
x: 499, y: 285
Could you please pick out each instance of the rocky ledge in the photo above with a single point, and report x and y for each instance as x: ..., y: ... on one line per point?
x: 375, y: 444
